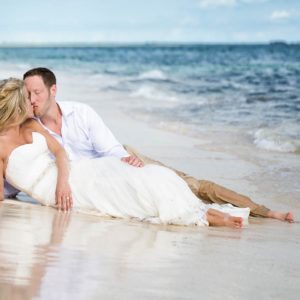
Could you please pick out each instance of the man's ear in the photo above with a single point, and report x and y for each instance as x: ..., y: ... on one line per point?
x: 53, y: 90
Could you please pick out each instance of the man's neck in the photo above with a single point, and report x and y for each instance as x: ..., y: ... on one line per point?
x: 53, y: 119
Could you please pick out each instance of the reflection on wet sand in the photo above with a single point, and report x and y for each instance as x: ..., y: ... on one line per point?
x: 45, y: 254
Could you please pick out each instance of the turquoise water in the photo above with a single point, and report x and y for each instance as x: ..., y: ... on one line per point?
x: 252, y: 87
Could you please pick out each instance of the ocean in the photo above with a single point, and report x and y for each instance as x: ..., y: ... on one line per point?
x: 253, y: 90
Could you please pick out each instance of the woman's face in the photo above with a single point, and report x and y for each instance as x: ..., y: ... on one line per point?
x: 28, y: 103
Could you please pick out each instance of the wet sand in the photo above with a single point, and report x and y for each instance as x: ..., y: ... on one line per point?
x: 45, y: 254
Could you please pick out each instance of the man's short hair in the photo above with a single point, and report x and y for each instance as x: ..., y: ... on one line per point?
x: 47, y: 75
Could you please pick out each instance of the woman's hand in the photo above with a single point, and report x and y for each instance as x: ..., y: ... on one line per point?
x: 63, y: 196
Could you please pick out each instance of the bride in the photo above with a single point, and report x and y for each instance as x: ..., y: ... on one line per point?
x: 104, y: 186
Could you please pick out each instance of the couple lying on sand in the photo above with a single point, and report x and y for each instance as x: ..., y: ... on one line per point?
x: 63, y: 155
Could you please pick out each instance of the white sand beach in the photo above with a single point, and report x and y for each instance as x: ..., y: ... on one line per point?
x: 45, y: 254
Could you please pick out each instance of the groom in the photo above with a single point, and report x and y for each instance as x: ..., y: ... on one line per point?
x: 83, y: 134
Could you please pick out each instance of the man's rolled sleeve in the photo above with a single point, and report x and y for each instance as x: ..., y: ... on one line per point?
x: 104, y: 142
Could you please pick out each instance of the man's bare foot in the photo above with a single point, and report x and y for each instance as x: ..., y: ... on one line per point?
x: 233, y: 222
x: 289, y: 217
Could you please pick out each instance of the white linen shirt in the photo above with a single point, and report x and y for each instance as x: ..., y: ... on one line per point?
x: 84, y: 134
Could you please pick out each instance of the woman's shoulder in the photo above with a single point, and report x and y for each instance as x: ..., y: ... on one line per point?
x: 30, y: 126
x: 30, y: 123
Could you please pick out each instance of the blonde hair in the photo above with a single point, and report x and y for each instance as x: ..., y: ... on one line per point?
x: 13, y: 107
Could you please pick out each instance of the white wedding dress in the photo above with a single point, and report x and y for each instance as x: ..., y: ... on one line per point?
x: 110, y: 187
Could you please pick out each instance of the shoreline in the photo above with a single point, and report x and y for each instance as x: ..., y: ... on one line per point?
x: 45, y: 254
x: 239, y: 170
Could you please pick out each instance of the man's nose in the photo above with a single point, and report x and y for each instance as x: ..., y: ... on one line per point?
x: 32, y: 98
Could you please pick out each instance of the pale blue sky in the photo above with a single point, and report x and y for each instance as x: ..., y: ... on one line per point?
x: 149, y: 21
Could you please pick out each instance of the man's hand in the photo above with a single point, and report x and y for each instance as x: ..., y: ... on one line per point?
x: 133, y: 161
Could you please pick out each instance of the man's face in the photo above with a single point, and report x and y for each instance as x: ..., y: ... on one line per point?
x: 40, y: 96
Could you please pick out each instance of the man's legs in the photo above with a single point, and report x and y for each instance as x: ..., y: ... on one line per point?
x: 207, y: 190
x: 218, y: 194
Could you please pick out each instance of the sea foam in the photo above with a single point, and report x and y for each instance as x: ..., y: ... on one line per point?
x: 273, y: 140
x: 154, y: 93
x: 153, y: 74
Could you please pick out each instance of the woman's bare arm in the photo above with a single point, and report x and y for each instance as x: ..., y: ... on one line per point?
x: 63, y: 190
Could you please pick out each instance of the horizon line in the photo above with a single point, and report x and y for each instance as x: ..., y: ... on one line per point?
x: 145, y: 43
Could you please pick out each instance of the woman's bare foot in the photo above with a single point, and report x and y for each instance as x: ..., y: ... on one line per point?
x: 233, y: 222
x: 289, y: 217
x: 218, y: 218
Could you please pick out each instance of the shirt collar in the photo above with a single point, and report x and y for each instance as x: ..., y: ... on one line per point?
x: 66, y: 108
